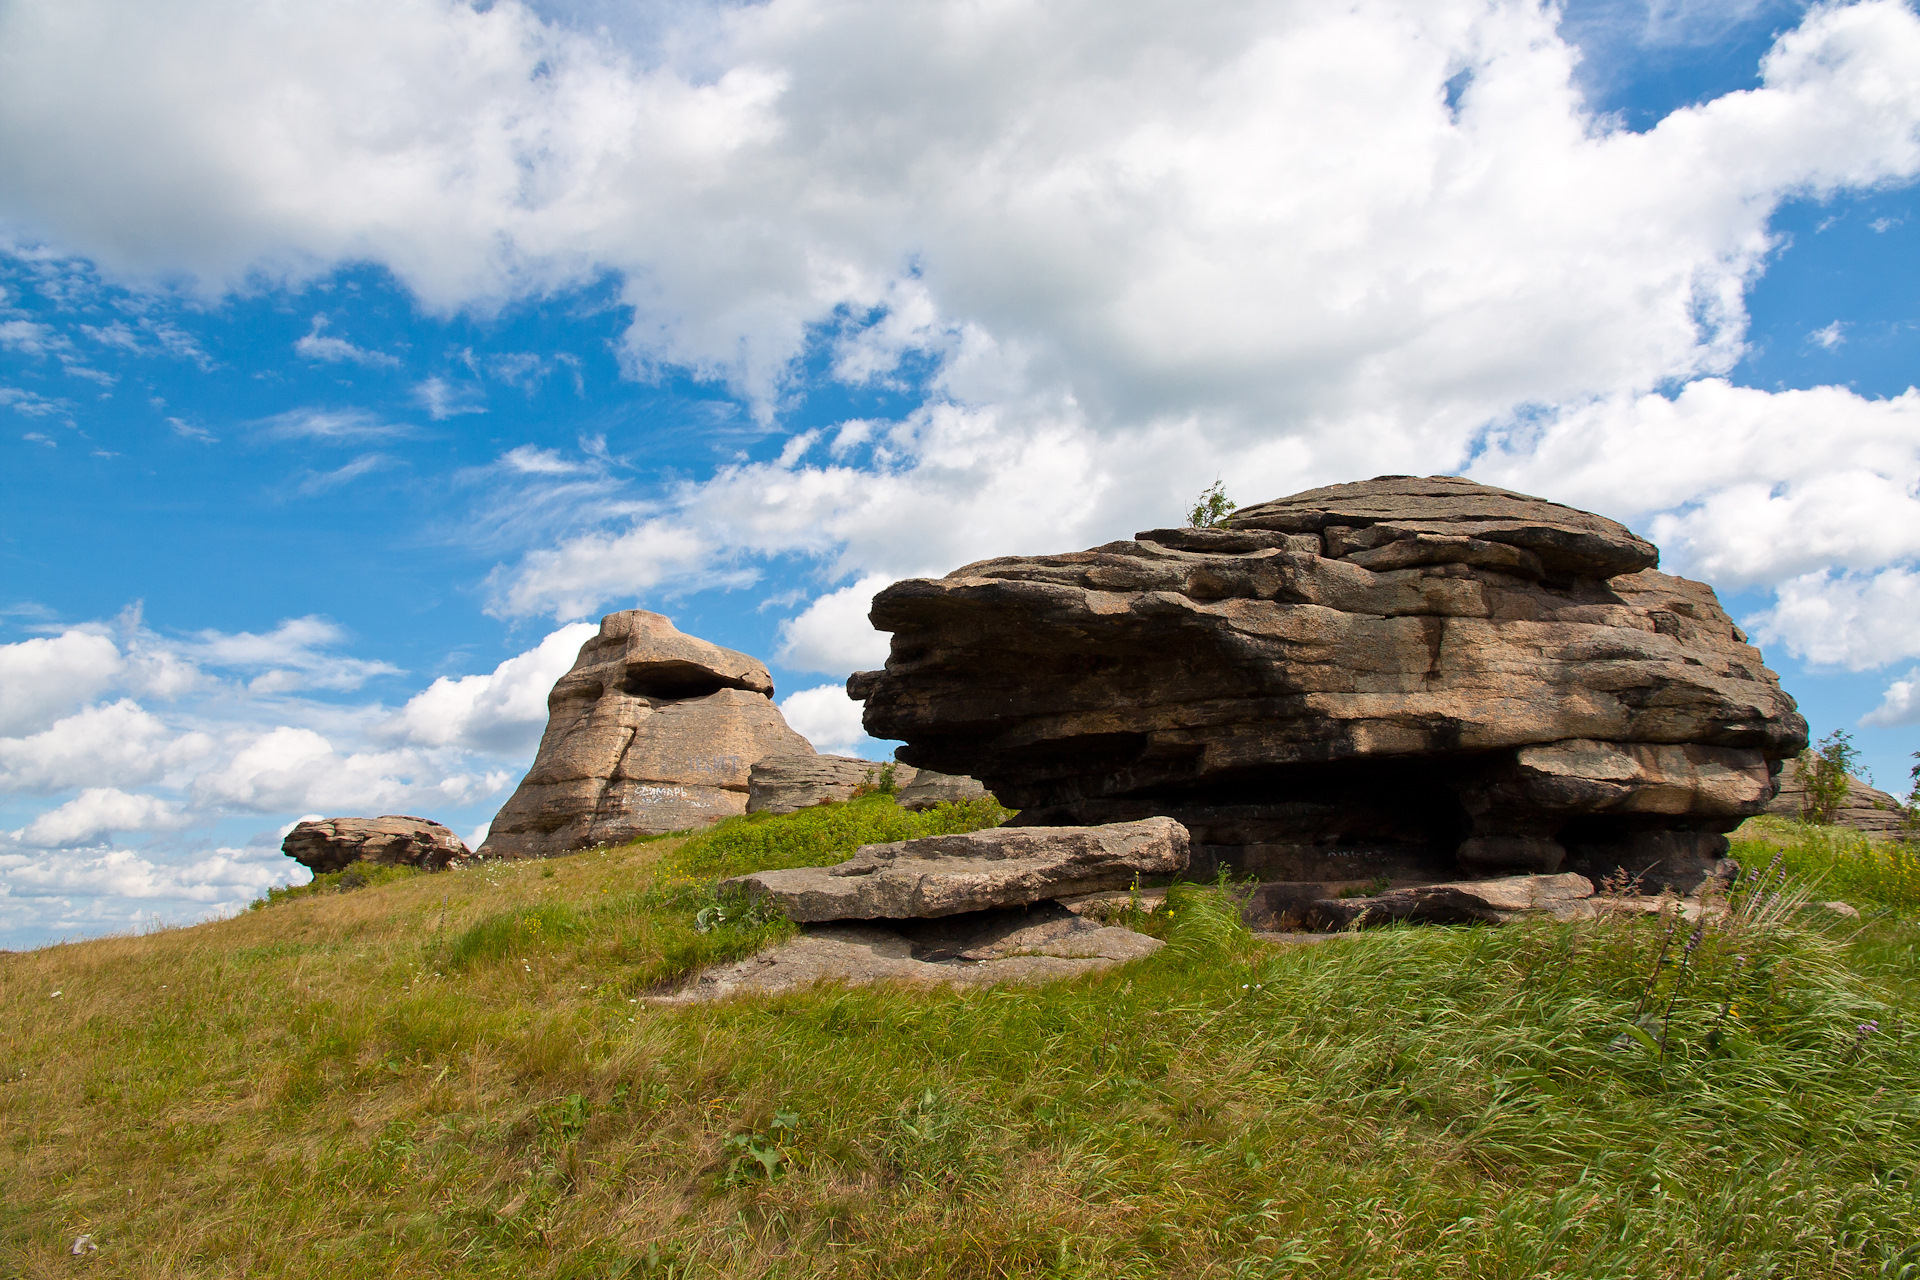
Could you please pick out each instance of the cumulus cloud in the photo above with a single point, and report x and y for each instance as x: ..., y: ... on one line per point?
x: 1270, y: 217
x: 290, y: 768
x: 501, y: 712
x: 826, y: 717
x: 47, y: 896
x: 833, y: 634
x: 123, y: 873
x: 100, y: 811
x: 1900, y: 706
x: 117, y: 744
x: 42, y: 678
x: 1852, y: 620
x: 1737, y: 485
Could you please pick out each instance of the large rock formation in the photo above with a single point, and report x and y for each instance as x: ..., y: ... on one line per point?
x: 1402, y: 676
x: 650, y: 731
x: 1865, y: 808
x: 392, y: 840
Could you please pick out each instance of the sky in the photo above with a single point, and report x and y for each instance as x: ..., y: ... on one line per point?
x: 356, y: 358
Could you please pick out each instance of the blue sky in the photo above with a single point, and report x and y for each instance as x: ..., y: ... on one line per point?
x: 351, y: 359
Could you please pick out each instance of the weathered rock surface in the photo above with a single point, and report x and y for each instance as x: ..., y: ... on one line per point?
x: 393, y: 840
x: 1496, y: 901
x: 650, y: 731
x: 783, y: 784
x: 1865, y: 809
x: 973, y: 871
x: 1403, y: 677
x: 929, y: 789
x: 1043, y: 944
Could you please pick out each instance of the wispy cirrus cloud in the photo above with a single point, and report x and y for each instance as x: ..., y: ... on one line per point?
x: 330, y: 425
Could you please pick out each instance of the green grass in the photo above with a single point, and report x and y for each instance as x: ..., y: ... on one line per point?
x: 454, y: 1075
x: 1835, y: 862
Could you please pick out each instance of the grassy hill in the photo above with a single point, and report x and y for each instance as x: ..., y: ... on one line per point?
x: 457, y: 1074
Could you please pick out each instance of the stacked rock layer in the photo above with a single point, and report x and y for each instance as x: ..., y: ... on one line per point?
x: 1399, y: 677
x: 650, y: 731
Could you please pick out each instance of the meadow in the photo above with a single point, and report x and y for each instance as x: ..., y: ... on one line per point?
x: 459, y: 1074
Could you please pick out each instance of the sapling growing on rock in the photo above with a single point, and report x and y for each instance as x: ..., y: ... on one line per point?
x: 1211, y: 508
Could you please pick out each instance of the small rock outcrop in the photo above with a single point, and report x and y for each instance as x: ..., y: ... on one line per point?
x: 783, y: 784
x: 974, y: 871
x: 929, y: 789
x: 1497, y: 901
x: 1405, y: 677
x: 393, y: 840
x: 1866, y: 809
x: 1044, y: 944
x: 651, y: 731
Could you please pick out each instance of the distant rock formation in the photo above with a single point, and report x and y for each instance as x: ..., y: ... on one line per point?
x: 393, y: 840
x: 928, y: 789
x: 1402, y: 677
x: 651, y: 731
x: 782, y: 784
x: 1866, y: 808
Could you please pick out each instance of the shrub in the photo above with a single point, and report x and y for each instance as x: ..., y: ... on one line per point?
x: 1824, y: 769
x: 1212, y: 507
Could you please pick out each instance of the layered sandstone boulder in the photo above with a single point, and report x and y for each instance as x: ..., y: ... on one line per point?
x: 1402, y: 677
x: 972, y: 871
x: 394, y: 840
x: 651, y: 731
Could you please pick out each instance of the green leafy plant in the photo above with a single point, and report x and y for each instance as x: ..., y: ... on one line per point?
x: 1212, y: 507
x: 1824, y: 768
x: 757, y: 1156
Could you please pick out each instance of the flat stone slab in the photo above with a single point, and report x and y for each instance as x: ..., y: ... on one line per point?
x: 1044, y: 944
x: 974, y: 871
x: 1495, y: 901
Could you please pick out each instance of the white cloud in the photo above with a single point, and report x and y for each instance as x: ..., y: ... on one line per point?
x: 833, y: 635
x: 317, y: 344
x: 31, y: 338
x: 31, y: 404
x: 826, y: 717
x: 290, y: 768
x: 573, y: 579
x: 1829, y: 337
x: 1901, y: 704
x: 442, y: 399
x: 502, y: 712
x: 294, y: 655
x: 113, y: 745
x: 1854, y: 620
x: 1736, y: 485
x: 122, y: 873
x: 1268, y: 217
x: 100, y: 811
x: 323, y: 481
x: 43, y: 678
x: 330, y: 425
